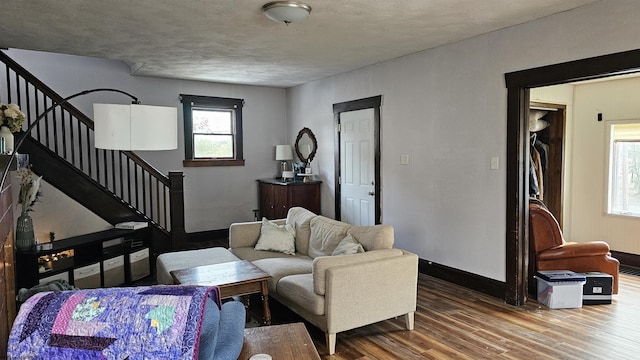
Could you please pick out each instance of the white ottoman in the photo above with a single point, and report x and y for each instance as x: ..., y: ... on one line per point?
x: 188, y: 259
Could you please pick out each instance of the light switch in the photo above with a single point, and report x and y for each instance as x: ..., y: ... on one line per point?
x: 495, y: 163
x: 404, y: 159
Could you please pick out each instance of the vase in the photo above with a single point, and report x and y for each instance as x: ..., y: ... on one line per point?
x: 7, y: 135
x: 25, y: 239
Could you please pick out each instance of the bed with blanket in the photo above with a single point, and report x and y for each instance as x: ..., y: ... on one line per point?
x: 150, y: 322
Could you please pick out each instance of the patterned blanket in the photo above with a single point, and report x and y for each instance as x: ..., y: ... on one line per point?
x: 147, y: 322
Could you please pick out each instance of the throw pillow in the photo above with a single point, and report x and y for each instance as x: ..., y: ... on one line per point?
x: 348, y: 246
x: 325, y: 235
x: 274, y: 237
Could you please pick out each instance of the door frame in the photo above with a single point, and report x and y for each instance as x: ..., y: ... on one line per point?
x: 374, y: 103
x: 518, y: 84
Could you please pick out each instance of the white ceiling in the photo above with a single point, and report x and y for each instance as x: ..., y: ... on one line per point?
x: 232, y: 41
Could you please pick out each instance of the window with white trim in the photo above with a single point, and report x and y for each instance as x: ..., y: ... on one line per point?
x: 212, y: 130
x: 624, y: 168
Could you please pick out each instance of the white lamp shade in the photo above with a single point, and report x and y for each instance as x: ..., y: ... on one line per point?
x: 283, y: 152
x: 135, y: 127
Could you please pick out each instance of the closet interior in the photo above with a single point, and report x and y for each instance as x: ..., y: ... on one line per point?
x: 547, y: 131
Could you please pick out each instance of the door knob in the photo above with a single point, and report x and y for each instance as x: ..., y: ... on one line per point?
x: 371, y: 193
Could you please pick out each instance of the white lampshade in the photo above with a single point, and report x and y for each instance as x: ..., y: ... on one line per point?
x: 286, y: 11
x: 135, y: 127
x: 283, y: 152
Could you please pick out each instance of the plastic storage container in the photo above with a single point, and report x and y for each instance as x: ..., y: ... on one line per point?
x: 561, y: 289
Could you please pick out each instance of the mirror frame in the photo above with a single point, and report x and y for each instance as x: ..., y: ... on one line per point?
x: 309, y: 133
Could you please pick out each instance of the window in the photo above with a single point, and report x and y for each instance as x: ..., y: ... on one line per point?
x: 624, y: 169
x: 212, y: 131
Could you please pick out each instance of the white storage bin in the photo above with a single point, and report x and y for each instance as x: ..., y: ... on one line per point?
x: 139, y: 264
x: 87, y: 277
x: 61, y: 276
x: 113, y: 271
x: 560, y: 289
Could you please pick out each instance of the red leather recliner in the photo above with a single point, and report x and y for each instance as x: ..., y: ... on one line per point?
x: 553, y: 253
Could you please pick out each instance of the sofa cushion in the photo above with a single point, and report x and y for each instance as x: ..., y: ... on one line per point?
x: 348, y: 246
x: 374, y: 237
x: 281, y: 267
x: 280, y: 238
x: 321, y: 264
x: 325, y: 235
x: 251, y: 254
x: 301, y: 217
x: 298, y: 289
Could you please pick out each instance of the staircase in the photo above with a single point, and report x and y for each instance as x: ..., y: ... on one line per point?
x: 116, y: 185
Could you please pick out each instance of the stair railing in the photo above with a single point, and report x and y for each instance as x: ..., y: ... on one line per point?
x: 68, y: 133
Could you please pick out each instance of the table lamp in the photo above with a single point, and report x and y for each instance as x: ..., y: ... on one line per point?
x: 283, y: 154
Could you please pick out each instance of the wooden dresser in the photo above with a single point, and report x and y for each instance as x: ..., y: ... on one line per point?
x: 277, y: 196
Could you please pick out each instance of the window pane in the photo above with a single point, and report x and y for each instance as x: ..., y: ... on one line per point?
x: 213, y: 146
x: 625, y: 178
x: 212, y: 121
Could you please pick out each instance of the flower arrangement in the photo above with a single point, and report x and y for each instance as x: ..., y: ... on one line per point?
x: 29, y: 189
x: 11, y: 116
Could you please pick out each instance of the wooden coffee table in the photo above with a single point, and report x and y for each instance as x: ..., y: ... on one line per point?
x: 282, y: 342
x: 235, y: 278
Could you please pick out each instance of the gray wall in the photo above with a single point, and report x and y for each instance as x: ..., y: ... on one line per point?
x: 446, y: 109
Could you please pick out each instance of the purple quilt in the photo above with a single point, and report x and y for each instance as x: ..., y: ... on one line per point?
x: 147, y: 322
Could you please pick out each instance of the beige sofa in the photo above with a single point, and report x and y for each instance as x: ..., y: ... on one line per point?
x: 334, y: 292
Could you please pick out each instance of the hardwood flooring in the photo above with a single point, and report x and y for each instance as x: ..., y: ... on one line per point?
x: 453, y: 322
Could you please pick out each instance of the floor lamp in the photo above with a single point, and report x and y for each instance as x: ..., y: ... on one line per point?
x: 119, y: 127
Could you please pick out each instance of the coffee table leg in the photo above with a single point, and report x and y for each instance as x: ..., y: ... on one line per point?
x: 265, y: 303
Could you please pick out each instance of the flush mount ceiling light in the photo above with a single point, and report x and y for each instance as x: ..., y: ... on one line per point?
x: 286, y: 12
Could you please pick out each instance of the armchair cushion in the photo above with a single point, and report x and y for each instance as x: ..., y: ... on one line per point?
x: 573, y: 250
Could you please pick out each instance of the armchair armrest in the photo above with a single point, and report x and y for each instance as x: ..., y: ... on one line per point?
x: 246, y: 234
x: 573, y: 250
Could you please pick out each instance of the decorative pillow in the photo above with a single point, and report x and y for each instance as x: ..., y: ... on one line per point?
x: 280, y: 238
x: 348, y: 246
x: 325, y: 235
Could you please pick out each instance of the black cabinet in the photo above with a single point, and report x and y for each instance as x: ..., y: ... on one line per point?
x: 86, y: 257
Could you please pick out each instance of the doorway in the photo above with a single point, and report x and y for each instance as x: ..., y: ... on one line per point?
x: 518, y: 85
x: 358, y: 190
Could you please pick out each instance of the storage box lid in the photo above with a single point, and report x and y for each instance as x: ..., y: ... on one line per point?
x: 560, y: 275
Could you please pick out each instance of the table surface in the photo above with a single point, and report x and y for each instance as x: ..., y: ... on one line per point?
x: 223, y: 274
x: 282, y: 342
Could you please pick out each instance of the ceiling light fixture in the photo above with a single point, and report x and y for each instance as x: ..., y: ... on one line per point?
x: 286, y: 12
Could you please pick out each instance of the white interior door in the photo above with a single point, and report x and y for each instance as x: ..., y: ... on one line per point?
x: 357, y: 167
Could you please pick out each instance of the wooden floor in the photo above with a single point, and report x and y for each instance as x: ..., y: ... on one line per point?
x: 453, y: 322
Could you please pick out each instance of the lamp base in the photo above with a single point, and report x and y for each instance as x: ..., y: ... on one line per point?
x: 287, y: 174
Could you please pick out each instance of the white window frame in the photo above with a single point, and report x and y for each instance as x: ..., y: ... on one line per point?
x: 610, y: 163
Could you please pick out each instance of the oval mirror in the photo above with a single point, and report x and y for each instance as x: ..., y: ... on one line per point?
x: 306, y: 145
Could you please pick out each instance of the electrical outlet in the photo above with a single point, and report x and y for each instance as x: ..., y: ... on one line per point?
x: 404, y: 159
